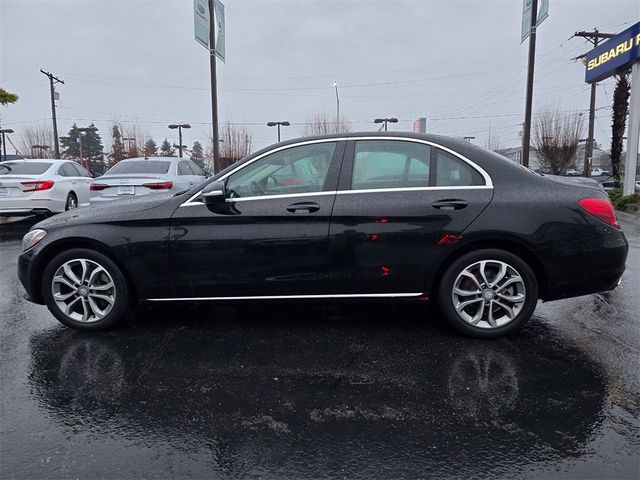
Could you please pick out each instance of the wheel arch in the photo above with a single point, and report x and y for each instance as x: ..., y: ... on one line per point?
x: 62, y: 245
x: 508, y: 245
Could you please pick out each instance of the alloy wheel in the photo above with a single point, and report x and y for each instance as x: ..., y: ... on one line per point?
x: 488, y: 294
x: 72, y: 203
x: 83, y: 290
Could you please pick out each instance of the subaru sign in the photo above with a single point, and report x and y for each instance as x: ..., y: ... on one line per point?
x: 613, y: 55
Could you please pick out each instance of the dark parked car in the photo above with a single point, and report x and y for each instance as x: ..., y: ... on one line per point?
x: 401, y: 217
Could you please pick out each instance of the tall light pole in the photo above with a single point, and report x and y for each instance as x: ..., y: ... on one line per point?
x: 53, y: 80
x: 4, y: 131
x: 180, y: 126
x: 385, y: 121
x: 278, y: 124
x: 214, y: 88
x: 335, y: 85
x: 80, y: 131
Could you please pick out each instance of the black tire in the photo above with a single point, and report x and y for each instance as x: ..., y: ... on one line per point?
x: 71, y: 203
x: 528, y: 286
x: 119, y: 292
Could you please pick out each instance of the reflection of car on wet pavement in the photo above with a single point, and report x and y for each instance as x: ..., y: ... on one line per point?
x: 329, y: 399
x: 388, y: 217
x: 42, y: 187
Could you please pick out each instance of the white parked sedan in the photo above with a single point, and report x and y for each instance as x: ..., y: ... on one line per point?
x: 42, y: 186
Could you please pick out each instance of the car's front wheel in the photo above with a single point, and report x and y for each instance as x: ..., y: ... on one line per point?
x: 85, y: 289
x: 488, y: 293
x: 71, y: 203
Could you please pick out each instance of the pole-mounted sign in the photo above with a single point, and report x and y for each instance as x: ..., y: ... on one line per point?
x: 202, y: 25
x: 543, y: 12
x: 616, y: 54
x: 613, y: 55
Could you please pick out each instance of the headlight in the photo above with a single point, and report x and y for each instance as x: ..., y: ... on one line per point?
x: 32, y: 238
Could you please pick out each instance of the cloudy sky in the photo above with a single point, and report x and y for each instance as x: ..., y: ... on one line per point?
x: 460, y: 64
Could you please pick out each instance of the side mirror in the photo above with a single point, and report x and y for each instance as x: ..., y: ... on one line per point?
x: 214, y: 193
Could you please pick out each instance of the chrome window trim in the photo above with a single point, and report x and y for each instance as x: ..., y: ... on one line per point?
x: 288, y: 297
x: 488, y: 182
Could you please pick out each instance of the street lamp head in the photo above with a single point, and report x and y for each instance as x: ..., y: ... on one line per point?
x: 378, y: 120
x: 6, y: 130
x: 173, y: 126
x: 185, y: 125
x: 271, y: 124
x: 285, y: 124
x: 392, y: 120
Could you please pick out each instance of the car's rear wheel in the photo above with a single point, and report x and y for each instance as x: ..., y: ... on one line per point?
x: 72, y: 202
x: 85, y: 289
x: 488, y: 293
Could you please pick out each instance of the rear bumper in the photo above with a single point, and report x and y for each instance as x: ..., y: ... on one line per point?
x: 29, y: 206
x: 23, y: 212
x: 592, y: 267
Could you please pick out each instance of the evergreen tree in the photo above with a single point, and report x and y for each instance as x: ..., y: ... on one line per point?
x: 166, y: 150
x: 197, y: 154
x: 150, y: 148
x: 7, y: 97
x: 619, y: 114
x: 70, y: 144
x: 134, y: 152
x: 117, y: 151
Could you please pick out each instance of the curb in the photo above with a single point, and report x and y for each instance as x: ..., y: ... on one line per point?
x: 628, y: 217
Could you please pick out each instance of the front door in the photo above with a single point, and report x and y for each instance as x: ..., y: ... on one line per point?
x: 271, y: 237
x: 395, y: 201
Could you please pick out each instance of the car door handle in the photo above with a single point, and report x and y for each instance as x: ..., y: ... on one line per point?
x: 450, y: 204
x: 303, y: 207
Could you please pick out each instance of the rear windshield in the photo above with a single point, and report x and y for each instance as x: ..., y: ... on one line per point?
x: 23, y: 168
x: 139, y: 166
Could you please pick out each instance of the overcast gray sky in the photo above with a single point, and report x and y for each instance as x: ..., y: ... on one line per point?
x: 458, y: 63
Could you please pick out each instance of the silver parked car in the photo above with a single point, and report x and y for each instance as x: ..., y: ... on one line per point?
x: 144, y: 176
x: 42, y: 186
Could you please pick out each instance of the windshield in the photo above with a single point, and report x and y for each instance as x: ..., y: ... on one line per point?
x: 24, y: 168
x: 139, y: 166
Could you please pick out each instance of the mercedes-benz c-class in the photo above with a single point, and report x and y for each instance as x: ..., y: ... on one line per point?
x: 361, y: 216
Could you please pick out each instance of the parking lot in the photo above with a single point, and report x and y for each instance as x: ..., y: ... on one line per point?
x: 308, y: 391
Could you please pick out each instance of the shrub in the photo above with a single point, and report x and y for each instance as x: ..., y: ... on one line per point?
x: 625, y: 203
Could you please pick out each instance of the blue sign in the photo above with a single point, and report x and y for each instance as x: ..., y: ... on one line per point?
x: 614, y: 54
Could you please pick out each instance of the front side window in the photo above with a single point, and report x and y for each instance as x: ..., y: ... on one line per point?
x: 67, y: 170
x: 390, y: 164
x: 301, y: 169
x: 183, y: 168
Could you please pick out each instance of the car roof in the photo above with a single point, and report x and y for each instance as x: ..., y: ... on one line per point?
x: 145, y: 159
x: 54, y: 161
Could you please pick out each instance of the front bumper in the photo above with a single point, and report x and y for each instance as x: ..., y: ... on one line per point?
x: 28, y: 277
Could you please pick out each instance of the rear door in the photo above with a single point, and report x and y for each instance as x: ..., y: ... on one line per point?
x: 82, y: 182
x: 396, y: 199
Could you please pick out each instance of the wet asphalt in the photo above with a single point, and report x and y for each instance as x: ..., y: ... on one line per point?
x: 320, y: 391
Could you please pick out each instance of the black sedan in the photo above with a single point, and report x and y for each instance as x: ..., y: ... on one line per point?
x: 401, y: 217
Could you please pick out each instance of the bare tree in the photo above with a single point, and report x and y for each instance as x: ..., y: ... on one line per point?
x: 235, y: 143
x: 493, y: 142
x: 556, y: 137
x: 40, y: 135
x: 325, y: 124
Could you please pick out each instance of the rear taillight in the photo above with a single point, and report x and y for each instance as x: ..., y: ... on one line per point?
x: 600, y: 208
x: 37, y: 185
x: 158, y: 185
x: 97, y: 186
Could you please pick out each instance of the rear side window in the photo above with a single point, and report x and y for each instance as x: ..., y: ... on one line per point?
x: 195, y: 168
x: 453, y: 172
x: 139, y: 166
x: 390, y: 164
x: 81, y: 171
x: 67, y: 170
x: 24, y: 168
x: 183, y: 168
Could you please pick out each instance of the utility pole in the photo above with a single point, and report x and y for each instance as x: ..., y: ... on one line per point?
x: 214, y: 89
x: 593, y: 37
x: 52, y: 81
x: 526, y: 131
